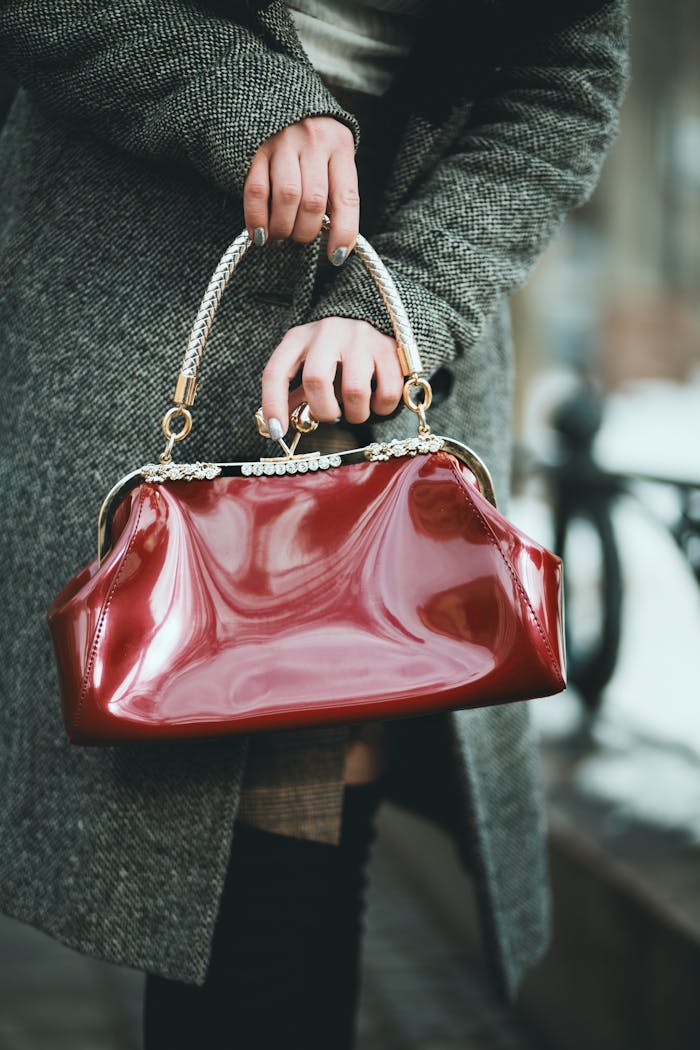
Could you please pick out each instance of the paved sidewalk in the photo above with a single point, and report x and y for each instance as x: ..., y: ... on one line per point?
x: 422, y: 987
x: 421, y: 990
x: 52, y: 998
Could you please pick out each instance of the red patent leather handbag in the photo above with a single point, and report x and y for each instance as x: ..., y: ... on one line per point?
x: 303, y: 588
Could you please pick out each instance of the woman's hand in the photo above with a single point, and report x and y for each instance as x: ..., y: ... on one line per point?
x: 340, y: 358
x: 298, y: 174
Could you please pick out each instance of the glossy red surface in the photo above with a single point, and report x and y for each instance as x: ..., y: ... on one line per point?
x: 372, y: 590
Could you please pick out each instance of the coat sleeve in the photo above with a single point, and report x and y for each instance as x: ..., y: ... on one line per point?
x: 163, y: 79
x: 472, y: 229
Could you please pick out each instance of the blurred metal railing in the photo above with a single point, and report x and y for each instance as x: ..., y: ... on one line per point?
x: 581, y: 491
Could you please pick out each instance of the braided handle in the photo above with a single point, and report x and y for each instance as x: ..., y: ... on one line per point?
x: 409, y: 357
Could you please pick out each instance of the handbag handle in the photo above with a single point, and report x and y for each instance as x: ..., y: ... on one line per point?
x: 407, y: 350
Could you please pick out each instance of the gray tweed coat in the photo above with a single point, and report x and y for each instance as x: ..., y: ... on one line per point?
x: 121, y: 169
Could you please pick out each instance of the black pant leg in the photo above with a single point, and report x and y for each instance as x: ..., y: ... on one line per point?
x: 286, y: 956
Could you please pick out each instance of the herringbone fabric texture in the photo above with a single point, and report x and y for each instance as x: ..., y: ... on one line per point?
x: 121, y: 169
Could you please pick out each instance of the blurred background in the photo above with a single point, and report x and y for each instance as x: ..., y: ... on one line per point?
x: 607, y: 471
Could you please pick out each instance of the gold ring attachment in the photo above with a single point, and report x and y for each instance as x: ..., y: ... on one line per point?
x: 415, y: 383
x: 173, y: 413
x: 172, y: 436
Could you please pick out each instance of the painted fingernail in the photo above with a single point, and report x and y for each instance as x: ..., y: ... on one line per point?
x: 275, y: 428
x: 259, y: 236
x: 339, y: 255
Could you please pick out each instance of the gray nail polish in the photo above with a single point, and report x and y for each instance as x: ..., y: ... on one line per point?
x: 339, y: 255
x: 275, y: 428
x: 259, y: 236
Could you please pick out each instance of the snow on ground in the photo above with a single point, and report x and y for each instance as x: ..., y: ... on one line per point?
x: 649, y: 734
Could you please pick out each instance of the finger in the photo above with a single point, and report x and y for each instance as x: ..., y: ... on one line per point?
x: 285, y: 178
x: 344, y: 204
x: 278, y: 372
x: 388, y: 384
x: 318, y: 379
x: 256, y: 198
x: 356, y: 383
x: 314, y: 195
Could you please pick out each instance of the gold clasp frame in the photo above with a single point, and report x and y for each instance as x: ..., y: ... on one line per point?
x: 302, y: 421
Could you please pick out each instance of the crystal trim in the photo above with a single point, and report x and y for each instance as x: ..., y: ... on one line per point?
x: 291, y: 466
x: 397, y: 447
x: 154, y: 472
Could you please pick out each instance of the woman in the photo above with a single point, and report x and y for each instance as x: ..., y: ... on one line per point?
x: 128, y: 162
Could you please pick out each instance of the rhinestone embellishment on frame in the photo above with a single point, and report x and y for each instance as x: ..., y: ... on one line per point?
x: 290, y: 466
x: 397, y: 447
x: 180, y: 471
